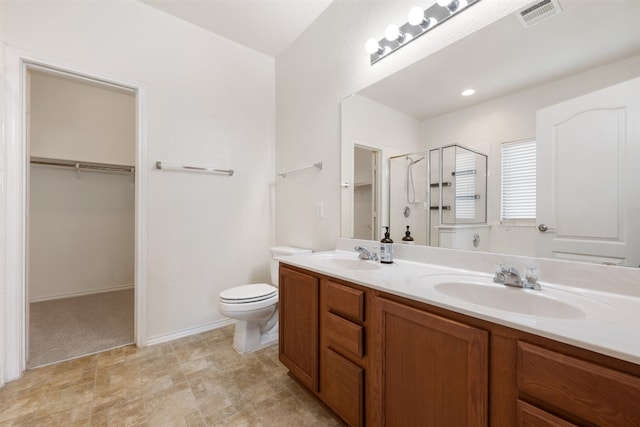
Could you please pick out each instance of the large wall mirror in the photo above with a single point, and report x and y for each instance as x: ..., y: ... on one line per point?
x: 557, y: 102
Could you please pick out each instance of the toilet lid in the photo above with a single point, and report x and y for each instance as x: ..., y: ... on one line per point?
x: 248, y: 293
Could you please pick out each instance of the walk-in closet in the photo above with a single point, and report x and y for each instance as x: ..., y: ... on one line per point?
x: 81, y: 216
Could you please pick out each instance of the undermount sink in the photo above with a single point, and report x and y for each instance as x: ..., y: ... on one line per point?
x: 482, y: 291
x: 344, y: 261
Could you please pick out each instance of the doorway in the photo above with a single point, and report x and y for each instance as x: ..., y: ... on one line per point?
x: 365, y: 193
x: 80, y: 215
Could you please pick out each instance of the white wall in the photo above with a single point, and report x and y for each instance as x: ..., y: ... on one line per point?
x: 81, y: 232
x: 486, y: 126
x: 75, y: 120
x: 323, y: 66
x: 208, y: 101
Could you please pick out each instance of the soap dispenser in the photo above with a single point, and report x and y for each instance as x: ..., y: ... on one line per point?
x: 407, y: 237
x: 386, y: 248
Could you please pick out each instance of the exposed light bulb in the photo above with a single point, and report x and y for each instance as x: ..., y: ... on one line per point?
x: 468, y: 92
x: 416, y: 16
x: 449, y: 4
x: 372, y: 46
x: 392, y: 33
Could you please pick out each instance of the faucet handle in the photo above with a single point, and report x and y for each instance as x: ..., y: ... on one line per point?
x: 531, y: 274
x: 499, y: 277
x: 531, y: 278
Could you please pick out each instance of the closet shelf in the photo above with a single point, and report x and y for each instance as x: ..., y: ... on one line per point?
x: 109, y: 167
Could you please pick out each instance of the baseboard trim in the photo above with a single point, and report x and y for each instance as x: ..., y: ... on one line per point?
x: 81, y: 293
x: 191, y: 331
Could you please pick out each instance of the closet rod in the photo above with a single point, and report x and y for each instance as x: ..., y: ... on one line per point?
x: 82, y: 165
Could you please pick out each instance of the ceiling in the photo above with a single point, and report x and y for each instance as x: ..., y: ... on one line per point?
x: 505, y: 57
x: 267, y: 26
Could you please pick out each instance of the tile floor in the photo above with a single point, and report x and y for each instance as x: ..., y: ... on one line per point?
x: 194, y: 381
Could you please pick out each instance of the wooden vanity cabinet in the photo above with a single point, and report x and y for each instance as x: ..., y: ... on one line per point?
x: 532, y: 416
x: 576, y: 389
x: 322, y: 339
x: 378, y: 359
x: 298, y: 325
x: 343, y: 352
x: 432, y: 371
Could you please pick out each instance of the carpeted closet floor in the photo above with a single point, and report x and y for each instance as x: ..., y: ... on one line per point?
x: 71, y: 327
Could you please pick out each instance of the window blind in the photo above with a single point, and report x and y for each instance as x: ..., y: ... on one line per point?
x: 519, y: 180
x: 465, y: 186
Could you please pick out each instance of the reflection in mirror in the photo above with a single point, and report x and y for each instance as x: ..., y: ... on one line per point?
x: 458, y: 198
x: 517, y: 72
x: 408, y: 197
x: 440, y: 197
x: 365, y: 193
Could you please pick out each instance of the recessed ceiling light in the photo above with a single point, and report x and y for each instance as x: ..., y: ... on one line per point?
x: 468, y: 92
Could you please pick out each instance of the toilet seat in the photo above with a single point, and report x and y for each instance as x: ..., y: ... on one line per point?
x: 248, y: 293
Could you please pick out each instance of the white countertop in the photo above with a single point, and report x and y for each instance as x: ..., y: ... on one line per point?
x: 604, y: 322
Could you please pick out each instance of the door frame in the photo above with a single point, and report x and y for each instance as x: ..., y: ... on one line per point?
x: 14, y: 341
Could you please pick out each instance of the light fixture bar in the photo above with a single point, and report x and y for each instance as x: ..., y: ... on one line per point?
x: 434, y: 15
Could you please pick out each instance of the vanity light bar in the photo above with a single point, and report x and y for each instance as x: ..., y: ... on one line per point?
x: 397, y: 37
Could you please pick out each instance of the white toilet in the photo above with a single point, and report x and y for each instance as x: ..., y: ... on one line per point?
x: 255, y: 307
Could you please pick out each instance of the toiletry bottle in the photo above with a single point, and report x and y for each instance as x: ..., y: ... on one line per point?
x: 386, y: 248
x: 407, y: 237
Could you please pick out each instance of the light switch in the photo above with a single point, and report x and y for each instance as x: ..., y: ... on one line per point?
x: 320, y: 209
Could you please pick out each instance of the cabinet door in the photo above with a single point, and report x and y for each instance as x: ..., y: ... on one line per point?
x: 432, y: 371
x: 298, y: 317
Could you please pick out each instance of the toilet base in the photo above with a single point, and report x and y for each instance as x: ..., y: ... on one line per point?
x: 248, y: 337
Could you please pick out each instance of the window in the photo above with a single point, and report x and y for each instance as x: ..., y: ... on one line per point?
x: 519, y: 181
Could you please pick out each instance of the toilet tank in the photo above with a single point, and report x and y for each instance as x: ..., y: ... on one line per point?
x: 279, y: 251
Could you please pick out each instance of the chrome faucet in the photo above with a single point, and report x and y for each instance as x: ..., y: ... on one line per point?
x: 511, y: 277
x: 364, y: 253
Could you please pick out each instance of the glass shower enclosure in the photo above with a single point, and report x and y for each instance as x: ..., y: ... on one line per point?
x: 438, y: 194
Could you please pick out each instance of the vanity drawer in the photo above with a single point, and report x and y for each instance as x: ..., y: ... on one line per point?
x: 588, y: 391
x: 345, y: 301
x: 530, y: 416
x: 342, y: 388
x: 344, y: 335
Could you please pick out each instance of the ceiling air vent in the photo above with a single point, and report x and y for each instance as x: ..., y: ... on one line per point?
x: 538, y: 11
